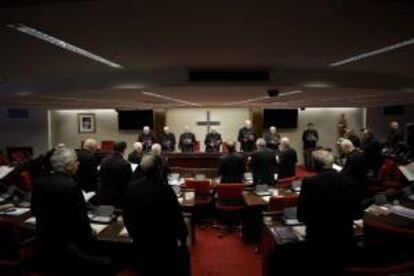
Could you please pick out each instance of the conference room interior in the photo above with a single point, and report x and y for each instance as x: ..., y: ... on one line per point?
x: 88, y: 76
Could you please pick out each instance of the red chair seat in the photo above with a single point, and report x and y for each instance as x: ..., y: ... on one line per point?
x: 285, y: 182
x: 228, y: 207
x: 202, y: 201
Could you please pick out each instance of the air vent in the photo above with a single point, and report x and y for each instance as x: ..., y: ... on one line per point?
x: 220, y: 75
x: 18, y: 113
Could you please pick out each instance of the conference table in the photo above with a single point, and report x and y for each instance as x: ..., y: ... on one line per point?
x: 380, y: 232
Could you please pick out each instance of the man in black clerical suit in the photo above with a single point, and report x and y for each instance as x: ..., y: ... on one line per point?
x: 136, y: 155
x: 246, y: 137
x: 63, y: 233
x: 213, y: 141
x: 187, y: 141
x: 154, y: 220
x: 355, y: 166
x: 287, y: 159
x: 167, y: 140
x: 328, y: 204
x: 394, y: 137
x: 272, y: 138
x: 310, y: 138
x: 263, y: 163
x: 114, y: 174
x: 372, y: 151
x: 349, y: 134
x: 157, y: 150
x: 147, y: 138
x: 231, y: 167
x: 87, y: 173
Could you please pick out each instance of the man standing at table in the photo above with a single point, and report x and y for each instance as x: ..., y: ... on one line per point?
x: 147, y: 138
x: 87, y: 173
x: 328, y: 204
x: 213, y: 141
x: 231, y: 166
x: 187, y: 141
x: 167, y: 140
x: 246, y: 137
x: 310, y: 138
x: 263, y: 164
x: 272, y: 138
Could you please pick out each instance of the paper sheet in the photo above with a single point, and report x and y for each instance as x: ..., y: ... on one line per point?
x: 31, y: 220
x: 88, y: 195
x: 337, y: 167
x: 403, y: 211
x: 98, y: 228
x: 266, y: 198
x: 123, y: 233
x: 5, y: 170
x: 17, y: 212
x: 300, y: 231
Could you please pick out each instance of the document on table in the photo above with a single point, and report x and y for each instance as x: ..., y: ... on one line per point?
x: 300, y: 232
x: 123, y: 233
x: 98, y: 228
x: 15, y: 211
x: 31, y: 220
x: 337, y: 167
x: 402, y: 211
x: 5, y: 170
x: 408, y: 171
x: 266, y: 198
x: 134, y: 166
x: 88, y: 195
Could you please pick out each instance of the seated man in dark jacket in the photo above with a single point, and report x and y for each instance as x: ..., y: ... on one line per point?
x: 87, y: 174
x: 115, y: 173
x: 63, y: 232
x: 287, y: 159
x: 231, y: 167
x: 328, y: 204
x: 154, y: 220
x: 263, y: 164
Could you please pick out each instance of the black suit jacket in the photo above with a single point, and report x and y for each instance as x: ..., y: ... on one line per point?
x: 263, y: 165
x: 372, y: 150
x: 355, y: 166
x: 213, y: 142
x: 115, y: 173
x: 310, y: 138
x: 61, y: 213
x: 231, y: 168
x: 135, y: 157
x: 287, y: 163
x: 87, y: 174
x: 153, y: 217
x: 167, y: 141
x: 328, y: 204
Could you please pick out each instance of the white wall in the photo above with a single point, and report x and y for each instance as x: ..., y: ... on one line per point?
x: 30, y: 132
x: 231, y: 119
x: 65, y: 127
x: 65, y: 124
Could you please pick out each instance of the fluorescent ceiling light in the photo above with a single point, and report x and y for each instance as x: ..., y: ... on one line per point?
x: 373, y: 53
x: 169, y: 98
x: 62, y: 44
x: 265, y: 98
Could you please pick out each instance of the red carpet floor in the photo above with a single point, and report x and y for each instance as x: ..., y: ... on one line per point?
x: 214, y: 256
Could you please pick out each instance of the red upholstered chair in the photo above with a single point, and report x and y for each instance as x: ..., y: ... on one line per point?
x: 107, y: 145
x: 203, y: 198
x: 19, y: 156
x: 285, y: 182
x: 229, y: 204
x: 26, y: 181
x: 389, y: 177
x: 12, y: 252
x: 3, y: 160
x: 279, y: 203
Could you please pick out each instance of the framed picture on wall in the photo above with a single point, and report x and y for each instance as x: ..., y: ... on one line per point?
x: 86, y: 123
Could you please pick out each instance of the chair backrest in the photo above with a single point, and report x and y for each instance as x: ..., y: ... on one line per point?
x: 26, y: 181
x: 18, y: 156
x: 230, y: 191
x: 279, y: 203
x: 3, y: 160
x: 9, y: 241
x: 107, y: 145
x: 201, y: 187
x: 284, y: 182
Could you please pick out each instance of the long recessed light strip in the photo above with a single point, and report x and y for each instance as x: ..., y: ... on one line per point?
x: 169, y: 98
x: 373, y: 53
x: 62, y: 44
